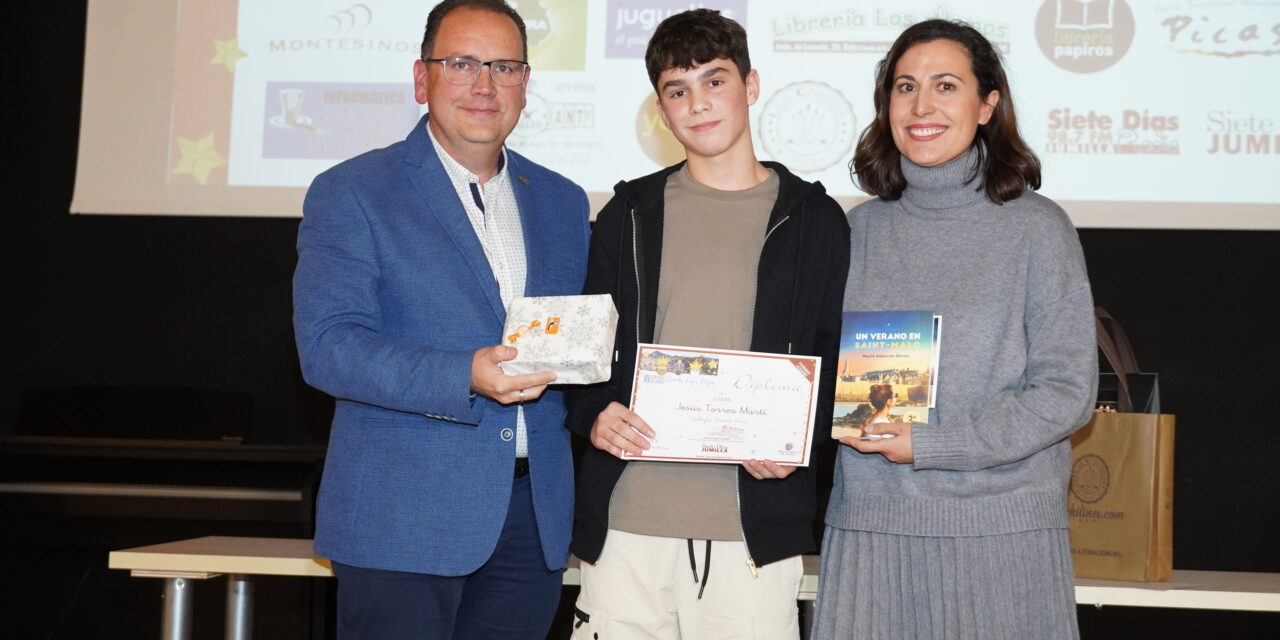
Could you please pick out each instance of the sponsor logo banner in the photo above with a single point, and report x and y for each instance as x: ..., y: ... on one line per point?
x: 1084, y: 36
x: 1223, y: 29
x: 557, y: 33
x: 808, y: 126
x: 1241, y: 133
x: 865, y: 29
x: 334, y: 120
x: 558, y: 126
x: 629, y: 24
x: 1126, y: 131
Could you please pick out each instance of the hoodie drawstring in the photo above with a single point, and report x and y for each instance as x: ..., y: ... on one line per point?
x: 706, y: 566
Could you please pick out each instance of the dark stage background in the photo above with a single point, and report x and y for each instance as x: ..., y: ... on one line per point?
x: 205, y: 303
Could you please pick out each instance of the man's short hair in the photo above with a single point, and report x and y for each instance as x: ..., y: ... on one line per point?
x: 496, y: 6
x: 690, y: 38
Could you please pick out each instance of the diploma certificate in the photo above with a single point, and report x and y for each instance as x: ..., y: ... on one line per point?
x: 714, y: 405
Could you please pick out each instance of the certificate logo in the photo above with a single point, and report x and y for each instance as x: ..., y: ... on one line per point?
x: 1090, y: 479
x: 663, y: 363
x: 1084, y: 36
x: 808, y: 126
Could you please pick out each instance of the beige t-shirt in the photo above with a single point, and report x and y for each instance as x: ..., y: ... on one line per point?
x: 711, y: 241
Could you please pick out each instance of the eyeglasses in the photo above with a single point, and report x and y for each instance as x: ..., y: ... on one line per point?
x: 465, y: 71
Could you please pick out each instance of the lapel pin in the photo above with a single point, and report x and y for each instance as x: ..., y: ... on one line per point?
x: 523, y: 179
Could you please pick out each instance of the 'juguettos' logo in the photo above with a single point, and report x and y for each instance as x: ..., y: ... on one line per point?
x: 1084, y: 36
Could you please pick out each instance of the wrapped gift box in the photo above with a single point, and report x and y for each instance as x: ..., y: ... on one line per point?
x: 570, y: 335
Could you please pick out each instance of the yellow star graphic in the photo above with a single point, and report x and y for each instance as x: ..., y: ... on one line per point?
x: 227, y: 53
x: 198, y: 158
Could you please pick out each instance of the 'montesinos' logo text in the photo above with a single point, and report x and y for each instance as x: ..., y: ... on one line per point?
x: 1130, y: 131
x: 354, y: 30
x: 1084, y: 36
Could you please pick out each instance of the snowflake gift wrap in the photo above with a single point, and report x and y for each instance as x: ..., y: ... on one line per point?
x: 570, y: 335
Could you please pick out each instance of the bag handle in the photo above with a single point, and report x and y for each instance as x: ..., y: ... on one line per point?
x: 1115, y: 347
x: 1109, y: 326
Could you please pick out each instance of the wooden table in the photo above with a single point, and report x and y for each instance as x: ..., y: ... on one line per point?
x: 1234, y: 590
x: 238, y: 558
x: 200, y: 558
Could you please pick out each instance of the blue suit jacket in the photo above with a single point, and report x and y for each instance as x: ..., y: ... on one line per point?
x: 392, y: 295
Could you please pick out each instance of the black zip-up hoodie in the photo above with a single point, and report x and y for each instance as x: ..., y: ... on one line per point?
x: 799, y: 295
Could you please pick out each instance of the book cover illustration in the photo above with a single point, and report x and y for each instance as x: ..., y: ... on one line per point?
x: 887, y: 371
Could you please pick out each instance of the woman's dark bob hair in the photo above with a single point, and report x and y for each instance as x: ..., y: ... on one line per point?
x: 1007, y: 165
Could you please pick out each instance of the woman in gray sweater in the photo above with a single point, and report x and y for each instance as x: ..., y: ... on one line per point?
x: 958, y: 528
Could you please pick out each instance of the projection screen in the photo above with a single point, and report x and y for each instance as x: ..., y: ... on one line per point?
x: 1160, y: 114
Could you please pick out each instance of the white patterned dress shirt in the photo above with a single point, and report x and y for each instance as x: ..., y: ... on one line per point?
x: 494, y: 216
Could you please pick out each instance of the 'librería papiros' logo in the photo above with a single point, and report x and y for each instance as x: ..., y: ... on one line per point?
x: 1084, y: 36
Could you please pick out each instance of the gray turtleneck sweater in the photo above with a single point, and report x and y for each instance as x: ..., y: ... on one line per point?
x: 1018, y: 367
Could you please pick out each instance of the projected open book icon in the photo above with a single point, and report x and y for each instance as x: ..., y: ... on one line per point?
x: 1085, y: 14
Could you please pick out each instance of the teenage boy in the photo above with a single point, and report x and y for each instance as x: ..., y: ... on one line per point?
x: 720, y: 251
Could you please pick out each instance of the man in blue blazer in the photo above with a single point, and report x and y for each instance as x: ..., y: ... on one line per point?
x: 447, y: 493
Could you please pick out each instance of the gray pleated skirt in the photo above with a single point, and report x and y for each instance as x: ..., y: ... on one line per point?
x: 876, y: 586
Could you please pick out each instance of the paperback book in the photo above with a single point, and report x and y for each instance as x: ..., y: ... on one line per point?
x: 888, y: 369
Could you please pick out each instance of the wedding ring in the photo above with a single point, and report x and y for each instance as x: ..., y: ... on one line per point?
x: 522, y: 395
